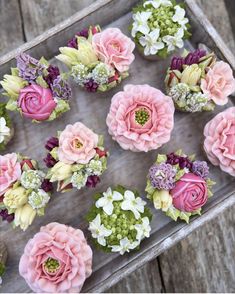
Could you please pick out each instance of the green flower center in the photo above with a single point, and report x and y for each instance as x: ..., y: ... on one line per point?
x: 142, y: 116
x: 51, y: 265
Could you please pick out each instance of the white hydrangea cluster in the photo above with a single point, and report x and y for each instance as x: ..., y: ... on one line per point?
x: 32, y: 179
x: 79, y: 73
x: 38, y: 199
x: 95, y: 167
x: 79, y: 179
x: 101, y: 73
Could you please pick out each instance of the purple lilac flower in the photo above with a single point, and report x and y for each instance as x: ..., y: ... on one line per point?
x: 91, y: 86
x: 162, y: 176
x: 53, y: 73
x: 29, y: 67
x: 61, y: 89
x: 49, y: 160
x: 183, y: 162
x: 6, y: 216
x: 47, y: 186
x: 52, y: 143
x: 200, y: 168
x: 92, y: 181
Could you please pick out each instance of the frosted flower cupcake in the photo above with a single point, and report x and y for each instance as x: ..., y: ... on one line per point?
x: 6, y: 128
x: 76, y: 158
x: 197, y: 82
x: 36, y: 89
x: 179, y: 185
x: 98, y: 60
x: 159, y: 27
x: 140, y: 118
x: 119, y: 220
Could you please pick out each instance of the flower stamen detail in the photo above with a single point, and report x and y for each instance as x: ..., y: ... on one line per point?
x: 142, y: 116
x: 51, y: 265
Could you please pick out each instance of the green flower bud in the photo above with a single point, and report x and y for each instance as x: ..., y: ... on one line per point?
x: 191, y: 75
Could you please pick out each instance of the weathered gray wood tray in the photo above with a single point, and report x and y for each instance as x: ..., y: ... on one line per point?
x: 124, y: 167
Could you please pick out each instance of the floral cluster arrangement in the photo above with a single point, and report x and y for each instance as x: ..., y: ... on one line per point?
x: 24, y: 191
x: 3, y: 259
x: 98, y: 60
x: 179, y: 185
x: 197, y: 82
x: 119, y: 220
x: 76, y: 158
x: 56, y: 260
x: 159, y: 27
x: 6, y: 128
x: 140, y: 118
x: 36, y: 89
x: 219, y: 143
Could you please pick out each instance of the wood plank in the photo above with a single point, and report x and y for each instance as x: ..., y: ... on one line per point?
x: 11, y: 34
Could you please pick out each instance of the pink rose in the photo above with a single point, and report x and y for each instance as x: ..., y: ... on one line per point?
x: 219, y: 143
x: 77, y: 144
x: 219, y: 83
x: 10, y: 171
x: 57, y: 259
x: 114, y: 48
x: 36, y: 102
x: 190, y: 193
x: 140, y: 118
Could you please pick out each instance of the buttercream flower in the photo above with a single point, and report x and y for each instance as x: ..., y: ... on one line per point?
x: 36, y: 102
x: 106, y: 202
x: 151, y: 42
x: 140, y: 118
x: 133, y: 203
x: 99, y: 231
x: 10, y: 171
x: 175, y: 41
x: 77, y: 143
x: 5, y: 131
x: 15, y: 198
x: 79, y: 180
x: 114, y: 48
x: 60, y: 171
x: 190, y: 193
x: 24, y: 216
x: 162, y: 200
x: 219, y: 83
x: 219, y: 141
x: 38, y: 199
x: 57, y: 259
x: 140, y: 23
x: 162, y: 176
x: 31, y: 179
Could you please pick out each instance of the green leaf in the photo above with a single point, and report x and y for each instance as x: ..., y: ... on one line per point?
x: 2, y: 269
x: 210, y: 193
x: 101, y: 141
x: 192, y: 157
x: 210, y: 183
x: 15, y: 71
x: 41, y: 82
x: 161, y: 158
x: 149, y: 189
x: 173, y: 213
x: 179, y: 152
x: 41, y: 211
x: 179, y: 174
x: 54, y: 153
x: 44, y: 61
x: 61, y: 107
x: 185, y: 216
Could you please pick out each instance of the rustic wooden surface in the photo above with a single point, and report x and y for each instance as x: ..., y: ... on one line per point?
x: 203, y: 257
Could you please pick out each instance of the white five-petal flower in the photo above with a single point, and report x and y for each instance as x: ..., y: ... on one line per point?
x: 174, y: 41
x: 4, y: 130
x: 158, y: 3
x: 140, y: 22
x: 150, y: 43
x: 125, y: 246
x: 143, y: 230
x: 179, y: 17
x: 130, y: 202
x: 98, y: 231
x: 106, y: 202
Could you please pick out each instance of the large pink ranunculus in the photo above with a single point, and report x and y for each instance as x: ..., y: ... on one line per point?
x: 219, y: 141
x: 10, y: 171
x: 114, y: 48
x: 190, y: 193
x: 57, y: 259
x: 36, y: 102
x: 219, y: 83
x: 77, y: 143
x: 140, y: 118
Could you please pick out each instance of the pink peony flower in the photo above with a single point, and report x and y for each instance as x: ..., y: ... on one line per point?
x: 141, y: 118
x: 219, y: 143
x: 190, y: 193
x: 219, y: 83
x: 77, y: 144
x: 10, y: 171
x: 114, y: 48
x: 57, y: 259
x: 36, y: 102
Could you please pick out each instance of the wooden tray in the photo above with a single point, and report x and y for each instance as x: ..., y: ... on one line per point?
x: 126, y: 168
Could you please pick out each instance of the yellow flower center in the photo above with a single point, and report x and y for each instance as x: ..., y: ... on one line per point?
x: 77, y: 144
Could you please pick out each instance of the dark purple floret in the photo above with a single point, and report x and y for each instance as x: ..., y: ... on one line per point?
x: 52, y: 143
x: 200, y: 168
x: 73, y: 43
x: 91, y: 86
x: 47, y: 186
x: 61, y: 89
x: 183, y: 162
x: 49, y: 160
x: 92, y: 181
x: 177, y: 63
x: 6, y: 216
x: 53, y: 73
x: 83, y: 33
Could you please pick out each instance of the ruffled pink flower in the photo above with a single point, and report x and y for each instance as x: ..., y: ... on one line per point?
x: 36, y: 102
x: 71, y: 255
x: 190, y: 193
x: 77, y: 143
x: 219, y: 143
x: 114, y: 48
x: 140, y: 118
x: 10, y: 171
x: 219, y: 83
